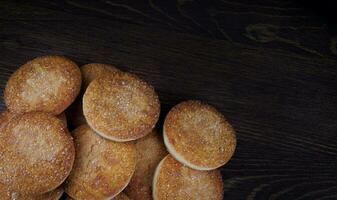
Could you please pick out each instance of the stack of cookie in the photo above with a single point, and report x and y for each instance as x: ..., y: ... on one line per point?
x: 113, y: 150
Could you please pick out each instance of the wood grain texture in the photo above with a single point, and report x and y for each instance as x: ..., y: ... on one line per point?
x: 269, y: 66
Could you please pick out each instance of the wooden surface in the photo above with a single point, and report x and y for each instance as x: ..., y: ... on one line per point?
x: 269, y: 66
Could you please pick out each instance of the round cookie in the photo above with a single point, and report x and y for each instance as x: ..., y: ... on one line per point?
x: 48, y: 84
x: 172, y: 180
x: 199, y: 136
x: 89, y: 73
x: 37, y: 153
x: 150, y: 151
x: 121, y: 107
x: 94, y: 70
x: 102, y: 168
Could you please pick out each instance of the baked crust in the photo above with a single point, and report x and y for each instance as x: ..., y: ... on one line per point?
x: 37, y: 153
x: 199, y: 136
x: 102, y: 168
x: 89, y: 73
x: 48, y: 84
x: 173, y: 180
x: 121, y: 108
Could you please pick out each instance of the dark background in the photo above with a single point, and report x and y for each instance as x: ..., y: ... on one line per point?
x: 269, y: 66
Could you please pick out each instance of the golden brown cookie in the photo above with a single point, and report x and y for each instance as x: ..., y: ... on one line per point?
x: 95, y: 70
x: 173, y: 180
x: 48, y: 84
x: 150, y: 151
x: 102, y: 168
x: 199, y: 136
x: 37, y: 153
x: 121, y: 108
x: 89, y: 73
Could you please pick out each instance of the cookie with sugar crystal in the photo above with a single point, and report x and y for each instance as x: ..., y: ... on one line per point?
x: 173, y: 180
x: 150, y: 151
x: 121, y: 108
x: 199, y: 136
x: 89, y: 73
x: 102, y: 168
x: 37, y: 153
x: 47, y: 83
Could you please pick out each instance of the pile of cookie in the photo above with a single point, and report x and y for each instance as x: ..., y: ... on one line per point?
x: 113, y: 149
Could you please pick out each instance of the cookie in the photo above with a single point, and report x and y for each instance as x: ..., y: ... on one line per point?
x: 102, y: 168
x: 150, y: 151
x: 121, y: 108
x: 199, y: 136
x: 48, y: 84
x: 37, y: 153
x: 89, y: 73
x: 173, y: 180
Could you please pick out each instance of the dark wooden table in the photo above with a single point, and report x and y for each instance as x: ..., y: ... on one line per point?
x: 269, y: 66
